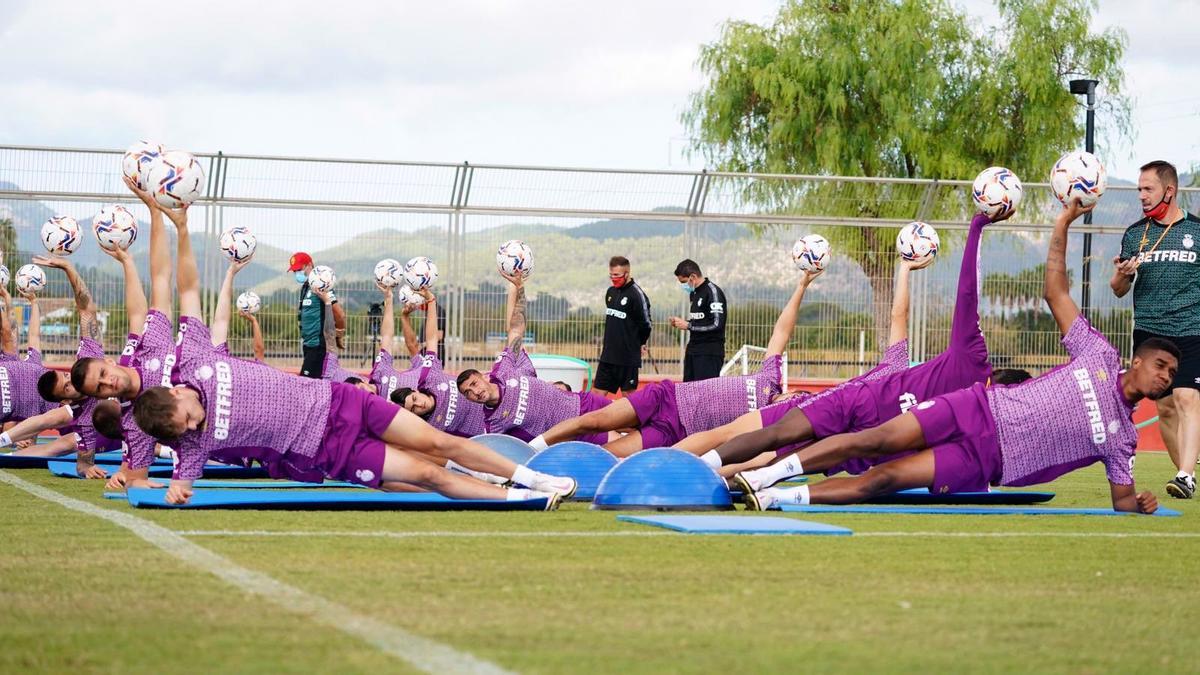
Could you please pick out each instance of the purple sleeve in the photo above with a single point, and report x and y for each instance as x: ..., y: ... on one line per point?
x: 1119, y: 469
x: 89, y: 348
x: 33, y: 355
x: 503, y: 365
x: 896, y: 355
x: 525, y: 364
x: 1082, y: 339
x: 772, y: 369
x: 139, y: 447
x: 383, y: 362
x: 157, y: 332
x: 194, y: 338
x: 131, y: 344
x: 189, y: 461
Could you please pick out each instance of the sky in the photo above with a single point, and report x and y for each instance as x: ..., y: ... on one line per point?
x: 554, y: 82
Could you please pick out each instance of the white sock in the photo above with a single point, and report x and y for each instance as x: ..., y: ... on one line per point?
x: 524, y: 476
x: 712, y: 459
x: 797, y: 495
x: 770, y: 475
x: 538, y: 444
x: 5, y: 440
x: 481, y: 475
x: 1181, y: 474
x: 517, y: 494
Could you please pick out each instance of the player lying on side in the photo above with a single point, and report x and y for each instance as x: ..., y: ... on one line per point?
x: 229, y: 410
x: 1014, y: 435
x: 666, y: 412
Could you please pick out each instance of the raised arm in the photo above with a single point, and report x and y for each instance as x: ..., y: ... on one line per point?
x: 8, y: 340
x: 84, y: 304
x: 187, y: 275
x: 1058, y: 287
x: 260, y: 347
x: 160, y: 255
x: 898, y: 330
x: 516, y: 319
x: 339, y: 325
x: 135, y: 295
x: 431, y: 321
x: 782, y: 332
x: 219, y: 328
x: 35, y: 322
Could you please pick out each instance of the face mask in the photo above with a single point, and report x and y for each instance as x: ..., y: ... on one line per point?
x: 1159, y: 210
x: 686, y: 288
x: 617, y: 282
x: 301, y: 277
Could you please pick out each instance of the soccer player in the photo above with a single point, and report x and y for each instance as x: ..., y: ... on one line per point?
x: 666, y: 412
x: 1159, y: 262
x: 228, y: 409
x: 147, y: 357
x: 705, y: 324
x: 626, y: 329
x: 869, y: 402
x: 19, y: 399
x: 516, y: 402
x: 1016, y: 435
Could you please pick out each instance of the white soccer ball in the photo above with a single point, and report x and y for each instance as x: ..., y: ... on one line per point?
x: 3, y: 275
x: 389, y: 273
x: 410, y: 298
x: 1078, y: 175
x: 31, y: 279
x: 60, y: 235
x: 238, y: 243
x: 997, y: 192
x: 137, y: 160
x: 420, y: 272
x: 321, y: 278
x: 515, y: 256
x: 917, y: 242
x: 175, y: 179
x: 811, y: 252
x: 115, y: 227
x: 249, y: 302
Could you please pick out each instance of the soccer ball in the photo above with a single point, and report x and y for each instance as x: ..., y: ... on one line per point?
x: 175, y: 179
x: 238, y: 243
x: 137, y: 160
x: 917, y: 242
x: 420, y: 272
x: 3, y: 275
x: 30, y: 279
x: 515, y: 256
x: 322, y: 278
x: 115, y: 227
x: 60, y: 235
x: 249, y: 302
x: 1078, y: 175
x: 997, y: 192
x: 810, y: 252
x: 410, y: 298
x: 389, y: 273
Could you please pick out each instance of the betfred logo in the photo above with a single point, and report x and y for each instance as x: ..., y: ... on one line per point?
x: 1092, y: 405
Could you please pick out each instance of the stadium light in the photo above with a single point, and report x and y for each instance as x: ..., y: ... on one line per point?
x: 1087, y: 88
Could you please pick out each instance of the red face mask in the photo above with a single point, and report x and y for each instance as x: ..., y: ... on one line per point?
x: 1159, y: 210
x: 618, y: 280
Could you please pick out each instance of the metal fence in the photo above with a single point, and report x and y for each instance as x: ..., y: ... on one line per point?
x: 739, y: 227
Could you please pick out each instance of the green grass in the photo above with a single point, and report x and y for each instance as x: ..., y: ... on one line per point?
x: 78, y: 594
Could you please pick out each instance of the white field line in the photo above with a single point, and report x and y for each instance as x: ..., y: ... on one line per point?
x: 660, y: 533
x: 424, y: 654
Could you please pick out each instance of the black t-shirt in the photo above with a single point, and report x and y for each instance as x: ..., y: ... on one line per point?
x: 626, y: 325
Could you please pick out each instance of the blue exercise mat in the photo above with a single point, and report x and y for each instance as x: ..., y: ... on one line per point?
x: 8, y: 461
x: 920, y: 496
x: 315, y: 500
x: 736, y: 525
x: 970, y: 510
x: 67, y: 470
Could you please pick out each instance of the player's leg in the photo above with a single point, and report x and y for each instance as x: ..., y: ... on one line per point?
x: 701, y: 442
x: 765, y: 459
x: 458, y: 468
x: 1187, y: 434
x: 1168, y: 426
x: 793, y: 427
x: 617, y: 415
x: 401, y: 467
x: 912, y: 471
x: 626, y: 445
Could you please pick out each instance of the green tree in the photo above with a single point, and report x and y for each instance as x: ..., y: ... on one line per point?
x: 905, y: 89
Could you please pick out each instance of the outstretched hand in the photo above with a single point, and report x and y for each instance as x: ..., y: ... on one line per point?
x: 810, y: 275
x: 177, y: 216
x: 517, y: 280
x: 52, y: 261
x: 917, y: 264
x: 146, y: 197
x: 239, y: 265
x: 1073, y: 209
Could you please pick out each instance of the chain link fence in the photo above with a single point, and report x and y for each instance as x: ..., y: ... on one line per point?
x: 349, y: 214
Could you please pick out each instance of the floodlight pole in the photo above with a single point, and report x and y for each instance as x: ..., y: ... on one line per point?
x: 1087, y: 88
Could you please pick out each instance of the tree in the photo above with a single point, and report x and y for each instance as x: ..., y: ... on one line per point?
x: 902, y: 88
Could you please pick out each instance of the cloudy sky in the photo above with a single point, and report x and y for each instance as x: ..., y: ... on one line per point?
x: 553, y: 82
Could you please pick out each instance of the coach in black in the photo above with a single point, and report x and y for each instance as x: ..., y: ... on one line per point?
x: 626, y: 329
x: 706, y: 322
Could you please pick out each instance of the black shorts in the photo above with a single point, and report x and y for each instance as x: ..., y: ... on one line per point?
x: 702, y: 366
x: 1188, y: 375
x: 314, y: 362
x: 611, y: 377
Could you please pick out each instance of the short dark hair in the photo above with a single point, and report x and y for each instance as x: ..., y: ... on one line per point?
x: 687, y: 268
x: 353, y: 380
x: 1158, y: 344
x: 565, y: 385
x: 401, y: 395
x: 79, y: 371
x: 45, y: 385
x: 106, y: 419
x: 1010, y: 375
x: 618, y: 261
x: 153, y: 411
x: 1164, y: 170
x: 464, y: 375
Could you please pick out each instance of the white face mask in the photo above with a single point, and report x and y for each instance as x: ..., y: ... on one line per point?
x: 685, y: 287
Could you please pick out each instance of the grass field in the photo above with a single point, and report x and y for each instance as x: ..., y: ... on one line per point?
x: 576, y: 591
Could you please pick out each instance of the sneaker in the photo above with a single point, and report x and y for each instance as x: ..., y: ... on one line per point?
x: 1182, y: 487
x: 741, y: 482
x: 553, y: 499
x: 562, y: 485
x: 762, y: 500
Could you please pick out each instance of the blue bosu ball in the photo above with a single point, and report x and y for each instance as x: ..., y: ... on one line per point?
x: 663, y: 479
x: 587, y: 463
x: 513, y: 448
